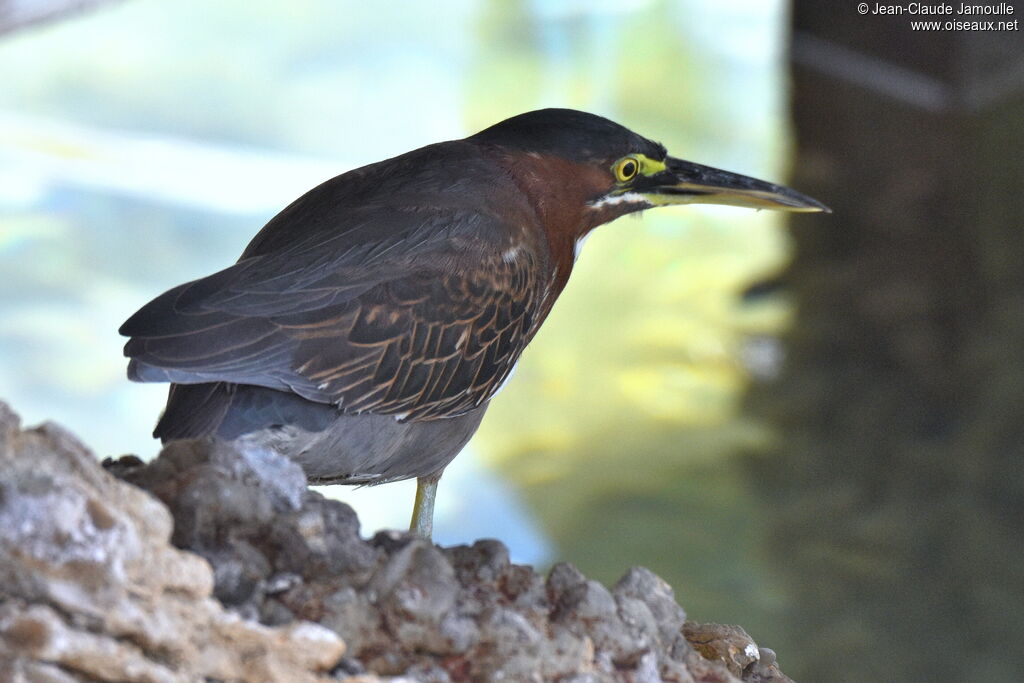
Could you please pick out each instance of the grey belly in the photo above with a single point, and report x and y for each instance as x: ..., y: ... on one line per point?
x: 335, y: 448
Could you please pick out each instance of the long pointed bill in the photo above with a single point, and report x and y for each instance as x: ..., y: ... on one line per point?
x: 695, y: 184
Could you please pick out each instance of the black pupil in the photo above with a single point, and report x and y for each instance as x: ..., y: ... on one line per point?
x: 628, y: 169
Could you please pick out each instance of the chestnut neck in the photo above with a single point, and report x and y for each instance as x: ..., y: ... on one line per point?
x: 561, y: 193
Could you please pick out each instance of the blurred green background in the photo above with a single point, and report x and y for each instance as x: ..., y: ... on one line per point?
x: 143, y: 144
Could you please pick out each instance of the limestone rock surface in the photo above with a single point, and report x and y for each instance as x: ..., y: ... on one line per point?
x: 268, y: 580
x: 91, y: 588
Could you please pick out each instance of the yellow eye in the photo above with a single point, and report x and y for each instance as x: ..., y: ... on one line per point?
x: 626, y: 168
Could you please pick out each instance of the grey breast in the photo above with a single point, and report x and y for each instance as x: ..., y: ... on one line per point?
x: 333, y: 447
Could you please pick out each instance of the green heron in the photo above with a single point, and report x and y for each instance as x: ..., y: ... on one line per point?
x: 366, y: 327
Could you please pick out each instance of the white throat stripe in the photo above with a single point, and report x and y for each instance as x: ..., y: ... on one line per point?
x: 626, y: 198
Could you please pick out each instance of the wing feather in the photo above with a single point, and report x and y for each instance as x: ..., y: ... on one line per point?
x: 423, y: 324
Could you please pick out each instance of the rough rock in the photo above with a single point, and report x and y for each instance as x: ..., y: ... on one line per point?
x: 97, y: 590
x: 92, y: 589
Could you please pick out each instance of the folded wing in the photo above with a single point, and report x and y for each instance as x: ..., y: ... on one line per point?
x: 422, y: 321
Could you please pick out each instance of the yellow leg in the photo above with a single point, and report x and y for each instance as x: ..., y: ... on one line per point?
x: 422, y: 523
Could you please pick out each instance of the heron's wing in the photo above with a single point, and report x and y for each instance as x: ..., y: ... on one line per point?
x: 421, y: 323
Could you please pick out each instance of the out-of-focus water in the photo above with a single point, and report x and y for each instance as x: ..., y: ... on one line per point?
x: 143, y: 145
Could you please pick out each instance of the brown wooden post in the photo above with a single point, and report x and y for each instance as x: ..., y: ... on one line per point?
x: 896, y: 497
